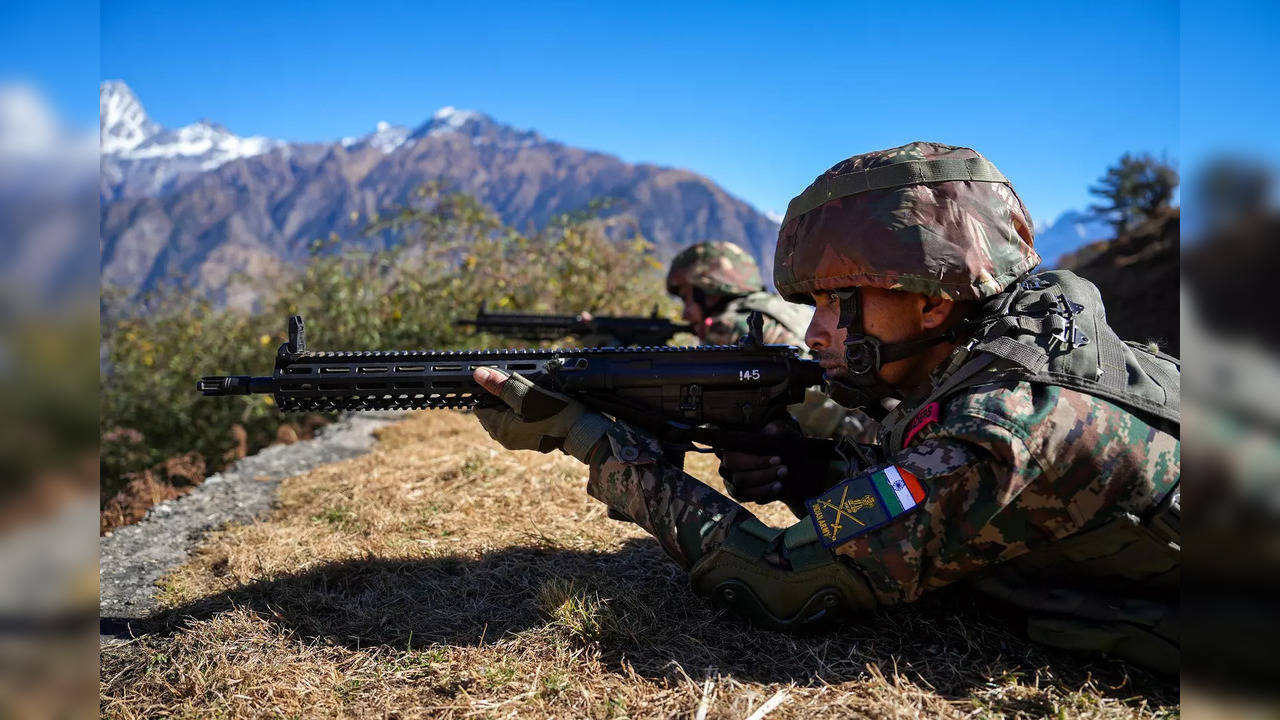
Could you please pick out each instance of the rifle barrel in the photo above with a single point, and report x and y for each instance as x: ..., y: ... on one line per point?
x: 214, y: 385
x: 686, y: 381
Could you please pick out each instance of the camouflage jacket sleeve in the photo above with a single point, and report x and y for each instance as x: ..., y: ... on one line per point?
x: 1003, y: 470
x: 687, y: 517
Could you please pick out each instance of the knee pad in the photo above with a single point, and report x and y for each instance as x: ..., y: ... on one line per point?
x: 810, y: 590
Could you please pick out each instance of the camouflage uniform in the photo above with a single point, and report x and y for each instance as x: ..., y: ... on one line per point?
x: 784, y: 323
x: 1046, y: 451
x: 1007, y: 471
x: 724, y: 270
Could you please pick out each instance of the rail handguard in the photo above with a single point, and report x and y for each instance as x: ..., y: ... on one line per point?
x: 715, y: 395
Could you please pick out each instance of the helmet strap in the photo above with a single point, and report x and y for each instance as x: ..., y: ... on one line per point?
x: 864, y: 355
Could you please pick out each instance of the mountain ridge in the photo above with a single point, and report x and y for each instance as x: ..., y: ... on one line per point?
x: 201, y: 203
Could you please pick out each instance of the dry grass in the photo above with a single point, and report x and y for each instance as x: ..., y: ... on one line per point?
x: 440, y: 576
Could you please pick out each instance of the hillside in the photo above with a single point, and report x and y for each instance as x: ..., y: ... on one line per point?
x: 200, y: 203
x: 1137, y: 274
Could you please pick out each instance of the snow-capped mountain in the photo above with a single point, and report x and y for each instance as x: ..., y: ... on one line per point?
x: 140, y: 157
x: 1071, y: 231
x: 128, y: 133
x: 477, y: 126
x: 209, y: 143
x: 385, y: 137
x: 450, y: 119
x: 202, y: 204
x: 123, y: 122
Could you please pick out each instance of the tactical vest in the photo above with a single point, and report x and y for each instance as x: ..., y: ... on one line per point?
x: 795, y: 318
x: 1112, y: 588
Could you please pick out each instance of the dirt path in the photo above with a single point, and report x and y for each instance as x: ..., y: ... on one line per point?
x: 134, y: 557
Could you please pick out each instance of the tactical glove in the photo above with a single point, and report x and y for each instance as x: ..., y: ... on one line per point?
x: 534, y: 418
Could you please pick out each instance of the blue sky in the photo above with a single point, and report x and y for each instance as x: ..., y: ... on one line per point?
x: 1230, y: 96
x: 759, y: 97
x: 1228, y: 64
x: 53, y: 45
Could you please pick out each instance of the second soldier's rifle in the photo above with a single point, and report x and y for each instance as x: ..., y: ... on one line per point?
x: 713, y: 395
x: 628, y: 330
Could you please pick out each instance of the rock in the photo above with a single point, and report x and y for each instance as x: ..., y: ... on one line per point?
x: 132, y: 558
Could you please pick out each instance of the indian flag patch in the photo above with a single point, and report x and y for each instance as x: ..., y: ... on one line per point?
x: 864, y: 503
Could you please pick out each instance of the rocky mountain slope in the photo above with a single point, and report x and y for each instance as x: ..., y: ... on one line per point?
x: 200, y: 203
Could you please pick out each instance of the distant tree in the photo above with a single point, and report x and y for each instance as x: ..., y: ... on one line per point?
x: 1135, y: 190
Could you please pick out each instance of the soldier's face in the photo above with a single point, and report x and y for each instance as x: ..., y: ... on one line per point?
x: 890, y: 315
x: 693, y: 313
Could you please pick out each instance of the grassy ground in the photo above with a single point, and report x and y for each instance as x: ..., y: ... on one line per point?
x: 440, y: 576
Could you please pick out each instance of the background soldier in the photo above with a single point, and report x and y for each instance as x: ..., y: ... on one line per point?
x: 720, y: 286
x: 1031, y: 453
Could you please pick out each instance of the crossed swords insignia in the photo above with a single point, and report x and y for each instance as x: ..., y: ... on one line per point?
x: 854, y: 506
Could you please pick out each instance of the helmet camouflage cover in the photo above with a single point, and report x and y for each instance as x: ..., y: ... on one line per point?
x: 715, y: 267
x: 925, y: 217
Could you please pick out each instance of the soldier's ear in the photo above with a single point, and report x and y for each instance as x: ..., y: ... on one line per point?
x: 935, y: 311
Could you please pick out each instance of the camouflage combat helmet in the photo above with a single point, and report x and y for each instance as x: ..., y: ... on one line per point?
x: 924, y: 217
x: 715, y: 267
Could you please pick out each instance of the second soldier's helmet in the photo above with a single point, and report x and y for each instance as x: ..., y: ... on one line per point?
x: 926, y: 218
x: 715, y: 267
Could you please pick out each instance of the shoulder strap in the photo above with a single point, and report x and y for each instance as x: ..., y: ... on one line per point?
x: 980, y: 369
x: 1051, y: 328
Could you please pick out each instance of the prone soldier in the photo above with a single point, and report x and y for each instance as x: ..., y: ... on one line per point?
x: 720, y: 286
x: 1024, y: 449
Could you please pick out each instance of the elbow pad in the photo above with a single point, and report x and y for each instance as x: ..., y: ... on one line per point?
x: 810, y: 590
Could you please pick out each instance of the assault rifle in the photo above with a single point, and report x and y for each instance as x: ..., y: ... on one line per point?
x: 628, y: 330
x: 713, y: 395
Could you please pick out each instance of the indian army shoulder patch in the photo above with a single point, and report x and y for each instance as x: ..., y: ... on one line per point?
x: 864, y: 503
